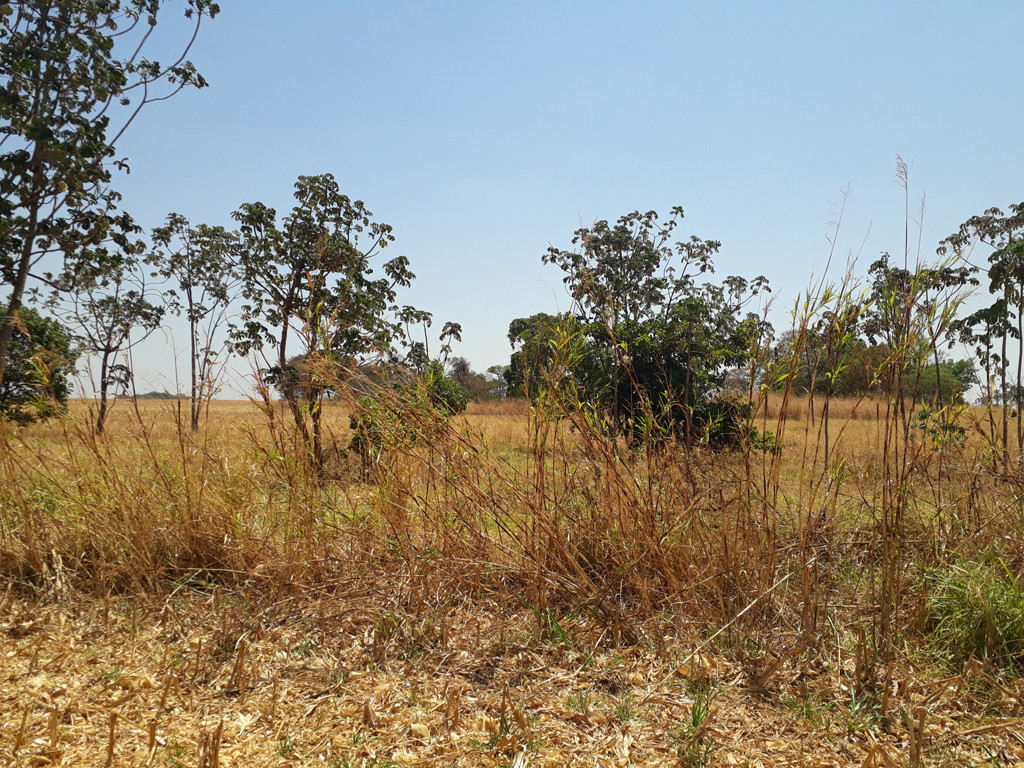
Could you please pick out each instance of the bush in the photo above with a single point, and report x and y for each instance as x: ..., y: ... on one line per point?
x: 446, y: 394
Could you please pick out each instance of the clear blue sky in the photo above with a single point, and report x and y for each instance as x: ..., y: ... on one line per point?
x: 485, y: 131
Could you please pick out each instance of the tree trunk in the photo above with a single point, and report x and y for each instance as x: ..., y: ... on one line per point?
x: 195, y: 393
x: 1020, y: 371
x: 101, y: 416
x: 1002, y: 381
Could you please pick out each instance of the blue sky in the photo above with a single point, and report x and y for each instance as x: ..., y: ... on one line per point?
x: 484, y: 131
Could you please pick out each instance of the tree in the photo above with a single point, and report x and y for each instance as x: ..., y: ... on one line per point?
x: 200, y: 262
x: 912, y: 312
x: 1004, y: 318
x: 496, y: 377
x: 42, y: 359
x: 477, y: 386
x: 310, y: 292
x: 60, y: 86
x: 106, y: 301
x: 660, y: 342
x: 528, y: 367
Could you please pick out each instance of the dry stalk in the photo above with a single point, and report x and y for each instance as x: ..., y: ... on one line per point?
x: 111, y: 739
x: 20, y: 738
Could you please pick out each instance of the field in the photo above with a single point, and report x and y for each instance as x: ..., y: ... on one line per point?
x: 510, y: 588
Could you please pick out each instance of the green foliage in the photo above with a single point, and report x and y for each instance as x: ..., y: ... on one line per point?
x: 41, y: 358
x: 941, y: 429
x: 625, y: 709
x: 943, y: 384
x: 402, y: 413
x: 864, y: 712
x: 977, y: 610
x: 445, y: 393
x: 855, y: 372
x: 313, y: 270
x: 994, y: 329
x: 535, y: 336
x: 63, y: 91
x: 580, y: 702
x: 551, y: 628
x: 652, y: 345
x: 106, y: 301
x: 199, y: 260
x: 162, y: 396
x: 695, y: 749
x: 309, y: 283
x: 478, y: 386
x: 766, y: 441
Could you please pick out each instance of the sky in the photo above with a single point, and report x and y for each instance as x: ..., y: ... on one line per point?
x: 484, y: 132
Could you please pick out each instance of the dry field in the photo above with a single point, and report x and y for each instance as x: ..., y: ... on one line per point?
x: 511, y: 589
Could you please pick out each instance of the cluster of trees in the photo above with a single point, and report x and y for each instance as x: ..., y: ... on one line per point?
x: 66, y: 98
x: 314, y: 284
x: 651, y: 343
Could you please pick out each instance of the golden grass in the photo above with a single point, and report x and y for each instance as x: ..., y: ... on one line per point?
x: 511, y: 589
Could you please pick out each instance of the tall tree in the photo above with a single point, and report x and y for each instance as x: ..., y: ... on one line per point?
x: 110, y: 309
x: 311, y: 293
x: 1004, y: 318
x: 65, y: 99
x: 528, y: 368
x: 200, y: 263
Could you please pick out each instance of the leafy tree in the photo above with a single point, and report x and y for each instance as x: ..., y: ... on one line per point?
x: 200, y: 262
x: 311, y: 292
x: 496, y: 377
x: 446, y: 393
x: 1004, y: 318
x: 42, y: 358
x: 110, y: 309
x: 534, y: 336
x: 942, y: 384
x: 912, y: 312
x: 660, y: 344
x: 61, y: 84
x: 477, y: 386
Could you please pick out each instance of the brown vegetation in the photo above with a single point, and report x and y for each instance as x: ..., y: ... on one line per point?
x: 509, y: 588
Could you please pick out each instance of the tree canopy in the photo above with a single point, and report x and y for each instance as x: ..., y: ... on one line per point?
x: 66, y: 98
x: 657, y: 340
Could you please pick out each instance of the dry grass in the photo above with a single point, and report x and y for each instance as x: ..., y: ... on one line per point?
x: 508, y: 589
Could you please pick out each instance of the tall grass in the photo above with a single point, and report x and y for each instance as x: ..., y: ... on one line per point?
x: 536, y: 505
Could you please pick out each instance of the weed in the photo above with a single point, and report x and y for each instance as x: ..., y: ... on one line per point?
x: 580, y: 701
x: 387, y: 626
x: 810, y: 707
x: 977, y: 611
x: 625, y: 710
x: 695, y: 750
x: 504, y: 729
x: 286, y: 747
x: 552, y: 630
x: 863, y: 714
x: 305, y: 647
